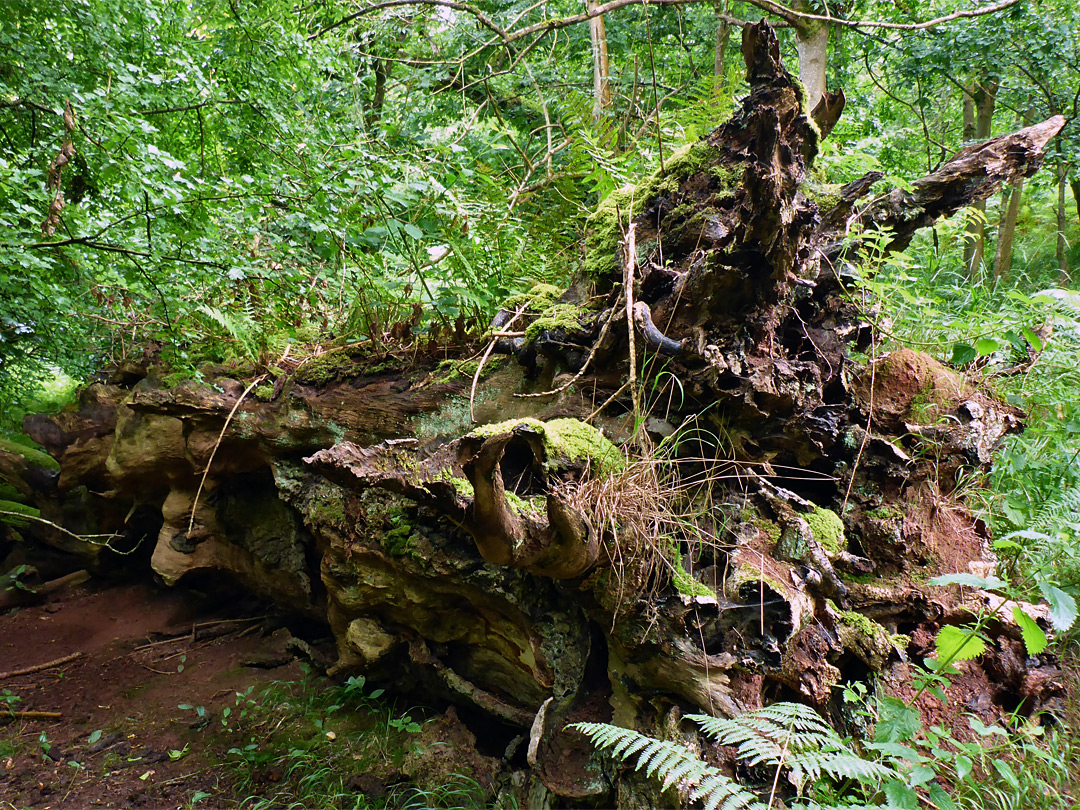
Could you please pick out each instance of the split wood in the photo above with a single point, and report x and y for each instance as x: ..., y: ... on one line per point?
x: 67, y: 659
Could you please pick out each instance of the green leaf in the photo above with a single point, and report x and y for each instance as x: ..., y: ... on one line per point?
x: 94, y: 737
x: 901, y: 797
x: 1034, y: 637
x: 413, y: 231
x: 963, y: 353
x: 958, y: 644
x: 896, y: 721
x: 1062, y: 606
x: 964, y: 766
x: 1007, y: 773
x: 1036, y: 342
x: 972, y: 581
x: 985, y: 346
x: 920, y: 775
x: 940, y: 798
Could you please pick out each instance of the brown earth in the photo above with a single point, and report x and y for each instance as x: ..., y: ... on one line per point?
x: 122, y: 741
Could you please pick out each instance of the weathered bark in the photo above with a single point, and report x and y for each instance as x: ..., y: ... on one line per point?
x: 528, y: 568
x: 1010, y: 211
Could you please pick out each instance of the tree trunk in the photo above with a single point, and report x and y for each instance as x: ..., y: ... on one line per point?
x: 378, y: 98
x: 723, y: 35
x: 1075, y: 186
x: 812, y: 44
x: 1010, y: 210
x: 979, y: 100
x: 542, y: 569
x: 1064, y: 276
x: 601, y: 67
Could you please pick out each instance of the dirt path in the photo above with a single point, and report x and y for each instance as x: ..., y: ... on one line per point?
x: 122, y: 741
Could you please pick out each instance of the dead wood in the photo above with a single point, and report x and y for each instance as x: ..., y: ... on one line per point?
x: 59, y: 662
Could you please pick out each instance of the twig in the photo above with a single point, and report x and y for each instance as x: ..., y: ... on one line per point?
x: 217, y: 444
x: 67, y: 659
x: 628, y: 288
x: 31, y: 715
x: 487, y: 353
x: 607, y: 402
x: 88, y: 538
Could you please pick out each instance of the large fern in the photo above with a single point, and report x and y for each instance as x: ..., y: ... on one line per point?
x: 784, y: 736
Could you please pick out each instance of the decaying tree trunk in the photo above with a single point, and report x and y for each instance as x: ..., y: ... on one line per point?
x: 545, y: 565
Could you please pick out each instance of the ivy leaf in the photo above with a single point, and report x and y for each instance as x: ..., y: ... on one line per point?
x: 1062, y: 606
x: 1034, y: 637
x: 958, y: 644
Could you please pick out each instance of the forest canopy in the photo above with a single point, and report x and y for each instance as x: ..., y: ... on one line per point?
x: 230, y: 177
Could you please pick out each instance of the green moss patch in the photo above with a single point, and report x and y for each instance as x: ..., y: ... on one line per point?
x: 560, y: 316
x: 566, y: 438
x: 32, y: 456
x: 828, y: 529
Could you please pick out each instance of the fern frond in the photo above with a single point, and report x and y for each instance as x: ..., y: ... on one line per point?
x: 672, y: 763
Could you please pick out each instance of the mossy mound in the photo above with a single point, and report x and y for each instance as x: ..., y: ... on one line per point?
x: 568, y: 439
x: 605, y: 226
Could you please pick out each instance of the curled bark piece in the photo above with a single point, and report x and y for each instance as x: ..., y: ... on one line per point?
x: 653, y: 336
x: 828, y: 110
x: 465, y: 481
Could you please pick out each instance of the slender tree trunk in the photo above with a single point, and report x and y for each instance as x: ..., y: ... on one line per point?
x: 812, y: 44
x: 601, y: 67
x: 1062, y: 259
x: 1075, y: 186
x: 1010, y: 210
x: 982, y: 96
x: 723, y: 34
x: 378, y: 98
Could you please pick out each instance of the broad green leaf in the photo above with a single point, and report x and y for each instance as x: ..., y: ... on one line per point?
x: 958, y: 644
x: 1062, y: 606
x: 972, y: 581
x: 1007, y: 773
x: 920, y: 775
x: 1034, y: 637
x: 1036, y: 342
x: 901, y: 797
x: 940, y: 798
x: 897, y: 722
x: 963, y: 767
x: 985, y: 346
x: 963, y: 353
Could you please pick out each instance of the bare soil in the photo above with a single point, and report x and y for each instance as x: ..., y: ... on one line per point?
x: 121, y: 740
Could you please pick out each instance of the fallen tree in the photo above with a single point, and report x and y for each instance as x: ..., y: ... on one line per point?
x: 700, y: 500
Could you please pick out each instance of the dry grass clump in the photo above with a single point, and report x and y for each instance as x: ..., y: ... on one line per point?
x: 654, y: 520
